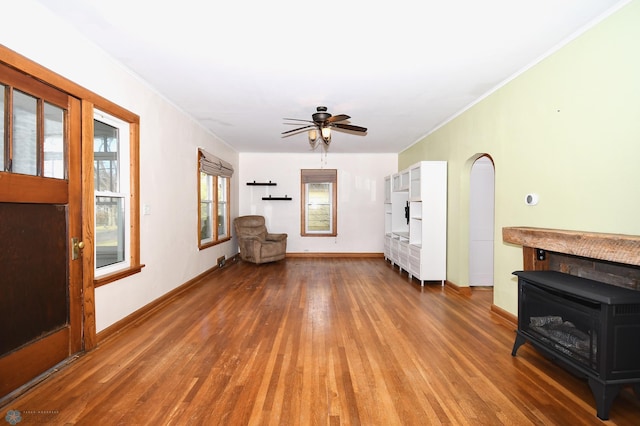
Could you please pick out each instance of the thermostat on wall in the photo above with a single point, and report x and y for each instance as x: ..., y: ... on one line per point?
x: 531, y: 199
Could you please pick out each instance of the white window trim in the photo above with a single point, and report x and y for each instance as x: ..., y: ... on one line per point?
x: 124, y: 185
x: 308, y: 210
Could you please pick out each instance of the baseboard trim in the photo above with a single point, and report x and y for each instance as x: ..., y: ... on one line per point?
x: 340, y: 255
x: 464, y: 291
x: 506, y: 316
x: 148, y: 309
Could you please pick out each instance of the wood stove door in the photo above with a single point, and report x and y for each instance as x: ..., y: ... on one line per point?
x: 562, y: 323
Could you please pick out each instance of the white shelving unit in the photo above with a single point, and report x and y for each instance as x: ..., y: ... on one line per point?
x: 400, y: 181
x: 417, y: 243
x: 387, y: 190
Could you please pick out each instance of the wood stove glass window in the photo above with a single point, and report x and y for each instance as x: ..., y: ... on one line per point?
x: 568, y: 324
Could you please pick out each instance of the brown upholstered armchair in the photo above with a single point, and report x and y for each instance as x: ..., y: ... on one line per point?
x: 255, y: 243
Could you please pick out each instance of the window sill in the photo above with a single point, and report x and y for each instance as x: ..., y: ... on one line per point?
x: 213, y: 243
x: 106, y: 279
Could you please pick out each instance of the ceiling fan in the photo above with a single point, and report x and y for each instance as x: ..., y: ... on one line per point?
x: 322, y: 122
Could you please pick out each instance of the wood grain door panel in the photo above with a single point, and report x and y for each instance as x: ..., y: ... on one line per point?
x: 35, y: 298
x: 41, y: 300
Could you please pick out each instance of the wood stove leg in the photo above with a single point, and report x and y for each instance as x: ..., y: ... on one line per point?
x: 604, y: 395
x: 519, y: 342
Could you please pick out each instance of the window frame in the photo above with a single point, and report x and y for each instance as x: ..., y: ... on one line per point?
x: 122, y: 193
x: 133, y: 265
x: 215, y: 238
x: 328, y: 176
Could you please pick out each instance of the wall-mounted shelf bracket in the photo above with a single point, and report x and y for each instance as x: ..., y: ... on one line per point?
x: 276, y: 198
x: 254, y: 183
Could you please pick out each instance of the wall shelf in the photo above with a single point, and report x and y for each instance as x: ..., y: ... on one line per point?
x: 276, y: 198
x: 254, y: 183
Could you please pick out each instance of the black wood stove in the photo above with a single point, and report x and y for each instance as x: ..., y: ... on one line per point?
x: 590, y: 328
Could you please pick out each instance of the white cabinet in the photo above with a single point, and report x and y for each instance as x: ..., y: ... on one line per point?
x: 416, y: 221
x: 387, y: 189
x: 400, y: 181
x: 414, y: 261
x: 387, y: 246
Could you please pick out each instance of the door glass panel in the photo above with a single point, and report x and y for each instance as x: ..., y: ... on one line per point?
x: 25, y: 134
x: 2, y: 111
x: 109, y: 230
x: 53, y: 141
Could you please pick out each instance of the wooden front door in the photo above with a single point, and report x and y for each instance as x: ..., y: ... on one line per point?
x: 40, y: 213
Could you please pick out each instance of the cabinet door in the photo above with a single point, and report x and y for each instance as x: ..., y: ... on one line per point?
x: 415, y: 183
x: 404, y: 255
x: 387, y: 189
x: 414, y: 261
x: 395, y: 182
x: 395, y: 247
x: 387, y: 247
x: 404, y: 180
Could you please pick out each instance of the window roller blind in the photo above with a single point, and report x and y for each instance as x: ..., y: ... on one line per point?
x: 213, y: 165
x: 318, y: 175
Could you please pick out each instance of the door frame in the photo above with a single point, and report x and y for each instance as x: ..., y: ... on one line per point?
x: 82, y: 304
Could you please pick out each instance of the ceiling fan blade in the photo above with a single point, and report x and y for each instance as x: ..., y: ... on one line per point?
x: 339, y: 117
x: 298, y: 129
x: 297, y: 119
x: 349, y: 127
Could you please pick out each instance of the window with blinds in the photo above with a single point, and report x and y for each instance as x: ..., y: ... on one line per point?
x: 214, y: 208
x: 318, y: 192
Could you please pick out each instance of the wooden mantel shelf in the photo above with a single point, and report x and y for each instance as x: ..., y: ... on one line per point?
x: 609, y: 247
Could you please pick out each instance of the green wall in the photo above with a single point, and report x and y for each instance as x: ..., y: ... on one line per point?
x: 567, y: 129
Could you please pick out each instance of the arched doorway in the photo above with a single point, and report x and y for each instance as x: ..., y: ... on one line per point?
x: 481, y: 221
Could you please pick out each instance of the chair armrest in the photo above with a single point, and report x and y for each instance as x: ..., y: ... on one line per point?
x: 276, y: 237
x: 250, y: 238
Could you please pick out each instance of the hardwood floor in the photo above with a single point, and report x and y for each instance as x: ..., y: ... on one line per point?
x: 317, y: 341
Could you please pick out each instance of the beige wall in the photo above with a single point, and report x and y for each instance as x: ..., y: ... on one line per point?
x: 568, y: 129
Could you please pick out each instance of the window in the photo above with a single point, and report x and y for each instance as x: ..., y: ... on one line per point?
x: 33, y: 142
x: 319, y: 202
x: 214, y: 180
x: 111, y: 185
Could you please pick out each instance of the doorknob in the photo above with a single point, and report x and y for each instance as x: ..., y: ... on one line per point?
x: 77, y: 246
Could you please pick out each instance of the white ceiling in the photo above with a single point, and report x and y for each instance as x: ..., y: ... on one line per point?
x: 399, y: 68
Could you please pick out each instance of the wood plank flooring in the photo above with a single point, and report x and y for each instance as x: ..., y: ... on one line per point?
x: 317, y: 342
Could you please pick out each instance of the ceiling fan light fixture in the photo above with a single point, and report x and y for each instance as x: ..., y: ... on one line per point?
x: 319, y: 128
x: 326, y: 135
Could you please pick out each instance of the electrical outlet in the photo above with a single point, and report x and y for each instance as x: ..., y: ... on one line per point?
x: 221, y: 261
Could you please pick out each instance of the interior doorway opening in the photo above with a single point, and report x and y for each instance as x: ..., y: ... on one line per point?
x: 481, y: 221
